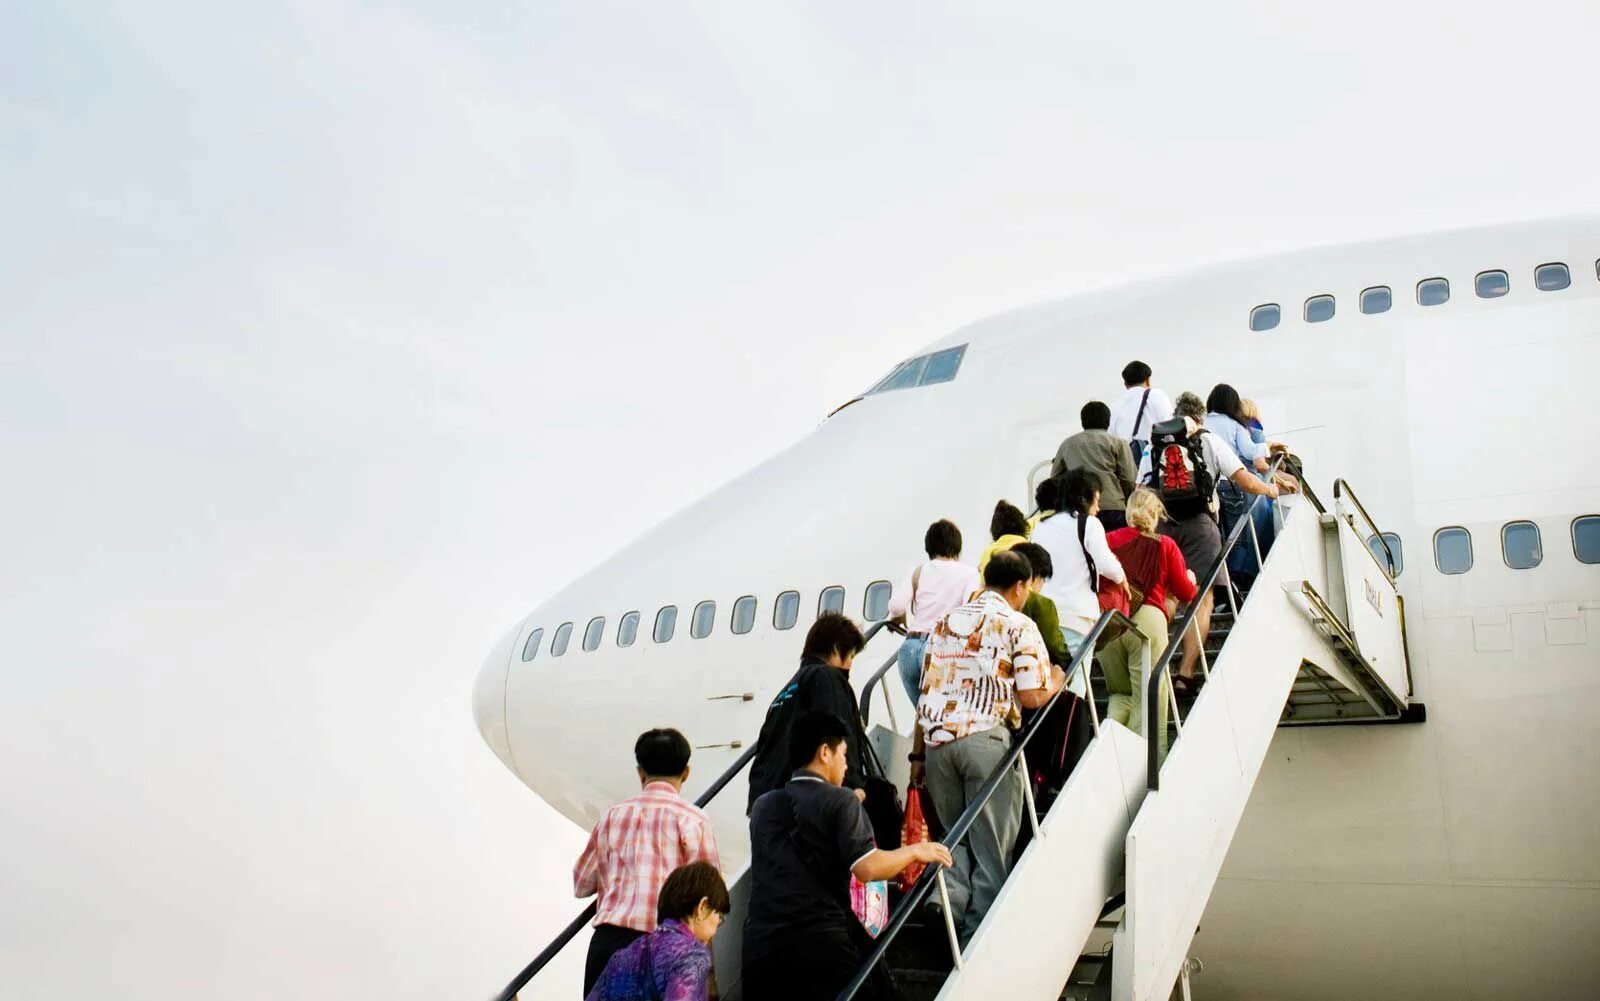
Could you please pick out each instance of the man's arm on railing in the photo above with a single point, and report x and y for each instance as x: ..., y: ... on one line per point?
x: 880, y: 864
x: 1250, y: 484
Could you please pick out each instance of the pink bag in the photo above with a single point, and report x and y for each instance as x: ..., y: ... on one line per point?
x: 870, y: 902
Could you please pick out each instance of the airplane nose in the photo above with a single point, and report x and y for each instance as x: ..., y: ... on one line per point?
x: 489, y: 698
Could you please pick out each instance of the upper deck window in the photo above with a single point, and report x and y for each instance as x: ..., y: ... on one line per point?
x: 1265, y: 316
x: 1491, y: 284
x: 1551, y: 277
x: 558, y: 642
x: 923, y: 370
x: 530, y: 649
x: 628, y: 629
x: 744, y: 615
x: 1319, y: 308
x: 1433, y: 291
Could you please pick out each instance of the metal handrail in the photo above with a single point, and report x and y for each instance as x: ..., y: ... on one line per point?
x: 577, y: 925
x: 1189, y: 618
x: 1340, y: 487
x: 878, y: 676
x: 933, y: 875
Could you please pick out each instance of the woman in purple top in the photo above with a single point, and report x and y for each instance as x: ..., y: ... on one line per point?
x: 672, y: 963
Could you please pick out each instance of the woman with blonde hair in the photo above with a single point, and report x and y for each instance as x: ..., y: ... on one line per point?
x: 1155, y: 567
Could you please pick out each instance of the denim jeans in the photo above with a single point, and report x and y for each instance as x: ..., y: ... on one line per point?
x: 910, y: 657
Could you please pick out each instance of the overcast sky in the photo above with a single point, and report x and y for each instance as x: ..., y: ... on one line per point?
x: 334, y: 336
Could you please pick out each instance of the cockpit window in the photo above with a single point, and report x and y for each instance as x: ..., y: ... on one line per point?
x: 923, y: 370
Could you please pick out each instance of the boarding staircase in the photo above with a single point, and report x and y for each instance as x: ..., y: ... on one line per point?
x: 1104, y: 899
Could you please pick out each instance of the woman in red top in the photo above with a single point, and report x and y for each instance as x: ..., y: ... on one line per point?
x: 1155, y: 568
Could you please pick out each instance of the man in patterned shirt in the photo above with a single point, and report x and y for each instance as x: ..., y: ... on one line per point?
x: 636, y: 845
x: 985, y: 661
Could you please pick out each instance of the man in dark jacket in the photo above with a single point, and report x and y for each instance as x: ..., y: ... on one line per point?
x: 821, y: 685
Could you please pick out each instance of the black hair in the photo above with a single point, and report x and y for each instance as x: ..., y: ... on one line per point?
x: 943, y: 539
x: 1006, y: 570
x: 1078, y: 488
x: 1134, y: 373
x: 686, y: 886
x: 812, y: 732
x: 1224, y: 399
x: 1038, y: 558
x: 1095, y: 416
x: 1045, y: 495
x: 833, y: 633
x: 1008, y: 519
x: 662, y: 753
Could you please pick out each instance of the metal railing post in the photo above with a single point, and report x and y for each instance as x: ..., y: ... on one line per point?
x: 888, y: 703
x: 1027, y: 792
x: 949, y: 920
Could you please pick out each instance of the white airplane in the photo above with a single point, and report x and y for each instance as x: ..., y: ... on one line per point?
x: 1448, y: 377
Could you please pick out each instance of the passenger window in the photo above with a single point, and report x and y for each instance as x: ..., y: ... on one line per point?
x: 530, y: 649
x: 744, y: 615
x: 1377, y: 299
x: 943, y: 365
x: 831, y: 600
x: 1491, y: 284
x: 1319, y: 308
x: 703, y: 620
x: 875, y: 606
x: 1452, y: 550
x: 1519, y: 544
x: 1585, y: 540
x: 1382, y: 556
x: 628, y: 629
x: 1265, y: 317
x: 786, y: 610
x: 1551, y: 277
x: 558, y: 642
x: 592, y: 633
x: 666, y: 623
x: 1433, y: 292
x: 903, y: 377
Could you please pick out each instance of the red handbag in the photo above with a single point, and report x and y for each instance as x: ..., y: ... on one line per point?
x: 913, y: 831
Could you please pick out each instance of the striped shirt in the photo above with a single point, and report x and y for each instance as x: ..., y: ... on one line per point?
x: 633, y: 849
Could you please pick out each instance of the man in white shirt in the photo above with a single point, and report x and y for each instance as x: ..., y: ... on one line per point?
x: 1139, y: 409
x: 927, y: 594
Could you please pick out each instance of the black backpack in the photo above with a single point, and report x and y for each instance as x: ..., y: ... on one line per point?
x: 1178, y: 470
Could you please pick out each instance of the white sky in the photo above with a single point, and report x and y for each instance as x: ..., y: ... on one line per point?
x: 333, y: 336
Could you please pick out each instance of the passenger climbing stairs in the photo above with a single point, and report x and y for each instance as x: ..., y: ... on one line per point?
x: 1112, y: 876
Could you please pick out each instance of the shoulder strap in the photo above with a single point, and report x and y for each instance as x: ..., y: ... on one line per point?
x: 1143, y: 400
x: 1094, y: 575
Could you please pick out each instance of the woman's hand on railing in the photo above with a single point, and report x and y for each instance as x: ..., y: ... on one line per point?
x: 1286, y: 483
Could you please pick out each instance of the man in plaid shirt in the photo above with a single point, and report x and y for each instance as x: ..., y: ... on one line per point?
x: 636, y: 845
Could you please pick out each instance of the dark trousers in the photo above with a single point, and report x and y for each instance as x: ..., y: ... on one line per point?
x: 815, y: 968
x: 606, y: 942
